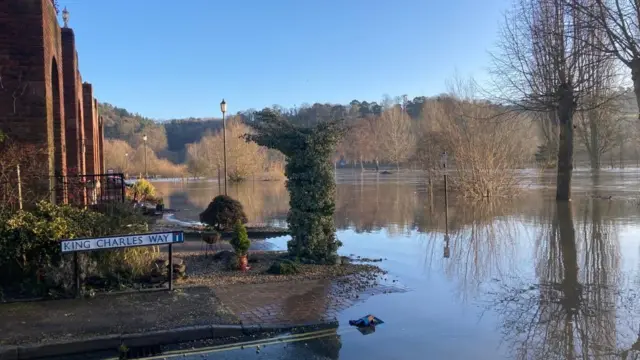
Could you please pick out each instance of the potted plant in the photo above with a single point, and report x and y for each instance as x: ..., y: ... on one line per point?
x: 240, y: 242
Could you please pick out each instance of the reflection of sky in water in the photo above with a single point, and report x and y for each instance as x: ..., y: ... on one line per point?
x: 518, y: 248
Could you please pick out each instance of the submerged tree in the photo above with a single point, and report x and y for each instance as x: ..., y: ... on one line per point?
x: 310, y: 180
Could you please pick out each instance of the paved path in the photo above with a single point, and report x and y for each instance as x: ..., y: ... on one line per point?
x: 74, y: 319
x: 291, y: 302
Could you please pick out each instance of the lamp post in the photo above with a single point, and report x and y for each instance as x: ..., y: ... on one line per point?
x: 223, y: 108
x: 144, y: 138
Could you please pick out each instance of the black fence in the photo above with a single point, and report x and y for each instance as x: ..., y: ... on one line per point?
x: 25, y: 189
x: 90, y: 189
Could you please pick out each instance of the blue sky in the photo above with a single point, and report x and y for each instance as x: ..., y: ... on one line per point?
x: 169, y: 59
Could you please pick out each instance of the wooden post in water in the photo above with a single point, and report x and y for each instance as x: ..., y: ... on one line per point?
x: 447, y: 251
x: 446, y: 190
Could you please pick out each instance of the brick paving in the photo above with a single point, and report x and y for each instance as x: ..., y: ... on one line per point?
x: 291, y: 302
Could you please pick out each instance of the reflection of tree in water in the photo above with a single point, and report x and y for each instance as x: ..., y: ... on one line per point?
x: 482, y: 242
x: 371, y: 206
x: 571, y: 313
x: 263, y: 201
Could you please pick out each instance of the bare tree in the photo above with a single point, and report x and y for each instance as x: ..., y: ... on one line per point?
x: 374, y: 129
x: 619, y: 20
x: 547, y: 154
x: 397, y: 138
x: 486, y: 144
x: 244, y: 159
x: 541, y: 68
x: 598, y: 117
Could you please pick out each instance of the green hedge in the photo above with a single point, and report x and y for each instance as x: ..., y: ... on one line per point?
x: 30, y: 259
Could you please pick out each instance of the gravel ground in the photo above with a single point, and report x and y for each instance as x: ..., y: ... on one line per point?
x: 205, y: 271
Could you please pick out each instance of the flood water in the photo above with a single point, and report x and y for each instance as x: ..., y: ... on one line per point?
x: 526, y: 278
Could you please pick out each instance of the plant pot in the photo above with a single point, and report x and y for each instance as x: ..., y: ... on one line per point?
x: 244, y: 262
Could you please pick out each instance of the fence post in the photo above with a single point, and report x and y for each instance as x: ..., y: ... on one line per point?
x: 76, y: 273
x: 19, y: 186
x: 123, y: 186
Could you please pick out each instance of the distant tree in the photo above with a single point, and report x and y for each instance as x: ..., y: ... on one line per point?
x: 397, y: 139
x: 244, y: 159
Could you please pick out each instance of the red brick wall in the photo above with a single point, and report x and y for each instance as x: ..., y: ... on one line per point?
x: 97, y: 144
x: 101, y: 142
x: 42, y: 100
x: 80, y: 110
x: 71, y: 101
x: 30, y: 59
x: 91, y: 130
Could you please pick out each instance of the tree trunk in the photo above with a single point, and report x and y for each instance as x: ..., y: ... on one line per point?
x: 566, y: 109
x: 569, y: 258
x: 635, y: 76
x: 361, y: 165
x: 621, y: 155
x: 594, y: 148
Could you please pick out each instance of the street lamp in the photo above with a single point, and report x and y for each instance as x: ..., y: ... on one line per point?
x: 144, y: 138
x: 223, y: 108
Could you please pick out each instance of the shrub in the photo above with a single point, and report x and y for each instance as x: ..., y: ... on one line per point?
x: 240, y: 240
x: 143, y: 189
x: 232, y: 263
x: 284, y: 267
x: 310, y: 180
x: 223, y: 213
x: 30, y: 256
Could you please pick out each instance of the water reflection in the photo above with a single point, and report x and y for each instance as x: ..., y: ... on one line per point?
x: 557, y: 276
x: 265, y: 202
x: 482, y: 242
x: 570, y: 310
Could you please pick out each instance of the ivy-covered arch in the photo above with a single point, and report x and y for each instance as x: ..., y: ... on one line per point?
x: 310, y: 180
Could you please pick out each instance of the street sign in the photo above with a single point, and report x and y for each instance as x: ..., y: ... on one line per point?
x: 443, y: 159
x: 121, y: 241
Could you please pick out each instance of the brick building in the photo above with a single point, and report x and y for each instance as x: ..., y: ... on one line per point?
x: 43, y: 100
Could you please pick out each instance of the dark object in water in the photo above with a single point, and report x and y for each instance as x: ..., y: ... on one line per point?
x: 366, y: 324
x: 366, y: 330
x: 364, y: 321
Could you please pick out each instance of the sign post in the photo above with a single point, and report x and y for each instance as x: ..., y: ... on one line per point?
x: 443, y: 159
x: 121, y: 241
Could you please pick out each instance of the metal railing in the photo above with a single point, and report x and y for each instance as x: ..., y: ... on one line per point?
x: 91, y: 189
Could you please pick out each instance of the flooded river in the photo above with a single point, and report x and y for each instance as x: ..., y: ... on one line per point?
x: 526, y: 278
